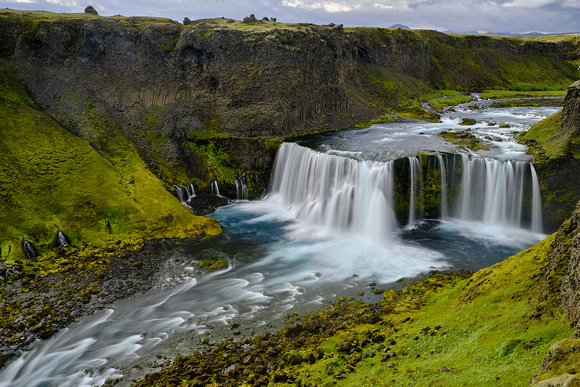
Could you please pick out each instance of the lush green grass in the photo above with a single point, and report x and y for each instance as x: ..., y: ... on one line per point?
x: 380, y: 120
x: 497, y: 94
x: 547, y: 137
x: 442, y: 102
x: 485, y: 336
x: 50, y: 177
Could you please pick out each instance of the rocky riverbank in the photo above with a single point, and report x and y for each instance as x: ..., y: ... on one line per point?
x: 36, y: 303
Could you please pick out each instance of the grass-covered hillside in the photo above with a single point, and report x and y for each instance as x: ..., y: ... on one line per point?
x: 51, y: 178
x: 555, y: 144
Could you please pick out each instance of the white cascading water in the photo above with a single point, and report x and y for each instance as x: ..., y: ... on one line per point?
x: 343, y: 194
x: 185, y: 193
x: 536, y: 203
x: 442, y: 171
x: 241, y: 187
x: 215, y: 190
x: 415, y: 197
x: 492, y: 192
x: 337, y: 193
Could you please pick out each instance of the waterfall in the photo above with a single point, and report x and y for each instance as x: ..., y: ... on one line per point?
x: 334, y: 192
x: 185, y: 193
x: 215, y: 189
x: 61, y: 239
x: 536, y: 202
x: 340, y: 193
x: 241, y: 187
x: 492, y: 191
x: 443, y: 174
x: 29, y: 250
x: 415, y: 197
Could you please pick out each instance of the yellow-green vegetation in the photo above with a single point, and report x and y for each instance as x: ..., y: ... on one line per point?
x: 413, y: 109
x: 30, y: 19
x: 497, y: 94
x: 380, y: 120
x: 463, y: 139
x: 490, y: 328
x: 564, y: 361
x: 50, y: 177
x: 221, y: 153
x: 447, y: 98
x: 547, y: 140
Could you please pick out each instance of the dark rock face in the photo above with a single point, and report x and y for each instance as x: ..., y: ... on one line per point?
x: 558, y: 183
x: 570, y: 287
x: 158, y: 82
x: 205, y: 203
x: 571, y: 110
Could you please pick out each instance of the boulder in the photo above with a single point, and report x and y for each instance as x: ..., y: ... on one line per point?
x: 90, y: 9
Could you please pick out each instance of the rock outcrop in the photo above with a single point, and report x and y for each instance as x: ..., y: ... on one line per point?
x: 571, y: 110
x: 570, y: 288
x: 562, y: 276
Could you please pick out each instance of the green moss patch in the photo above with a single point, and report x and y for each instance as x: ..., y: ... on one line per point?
x: 50, y: 177
x: 464, y: 139
x: 500, y: 94
x: 546, y: 139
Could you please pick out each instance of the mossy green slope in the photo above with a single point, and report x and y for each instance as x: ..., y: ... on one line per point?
x: 50, y: 177
x: 491, y: 328
x: 547, y: 138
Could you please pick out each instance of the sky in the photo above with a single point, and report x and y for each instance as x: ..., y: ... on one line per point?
x: 512, y: 16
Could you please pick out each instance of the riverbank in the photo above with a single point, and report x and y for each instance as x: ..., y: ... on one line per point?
x: 36, y: 304
x: 498, y: 325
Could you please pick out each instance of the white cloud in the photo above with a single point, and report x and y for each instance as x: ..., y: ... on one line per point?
x: 383, y: 6
x: 571, y: 3
x: 528, y: 3
x: 63, y: 3
x: 328, y: 6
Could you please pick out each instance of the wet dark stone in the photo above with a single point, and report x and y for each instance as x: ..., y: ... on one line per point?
x: 205, y: 203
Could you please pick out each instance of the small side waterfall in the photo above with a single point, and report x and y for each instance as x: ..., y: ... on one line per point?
x: 337, y: 193
x: 185, y: 193
x: 444, y: 199
x: 536, y: 202
x: 492, y: 191
x: 415, y: 197
x: 241, y: 187
x: 215, y: 190
x: 61, y: 239
x: 29, y: 250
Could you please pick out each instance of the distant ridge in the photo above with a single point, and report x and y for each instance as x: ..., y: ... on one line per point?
x: 532, y: 33
x: 400, y: 26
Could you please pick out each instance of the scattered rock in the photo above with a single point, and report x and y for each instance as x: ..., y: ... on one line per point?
x: 467, y: 121
x: 90, y: 9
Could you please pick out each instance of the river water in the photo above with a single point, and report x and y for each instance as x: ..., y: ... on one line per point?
x: 326, y: 229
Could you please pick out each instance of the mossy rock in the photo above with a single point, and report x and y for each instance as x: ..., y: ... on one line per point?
x: 468, y: 122
x: 464, y: 140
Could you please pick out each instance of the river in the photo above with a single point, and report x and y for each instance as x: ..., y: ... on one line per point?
x: 327, y: 228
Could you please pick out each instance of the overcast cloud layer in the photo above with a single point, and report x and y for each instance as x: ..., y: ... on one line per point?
x: 514, y: 16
